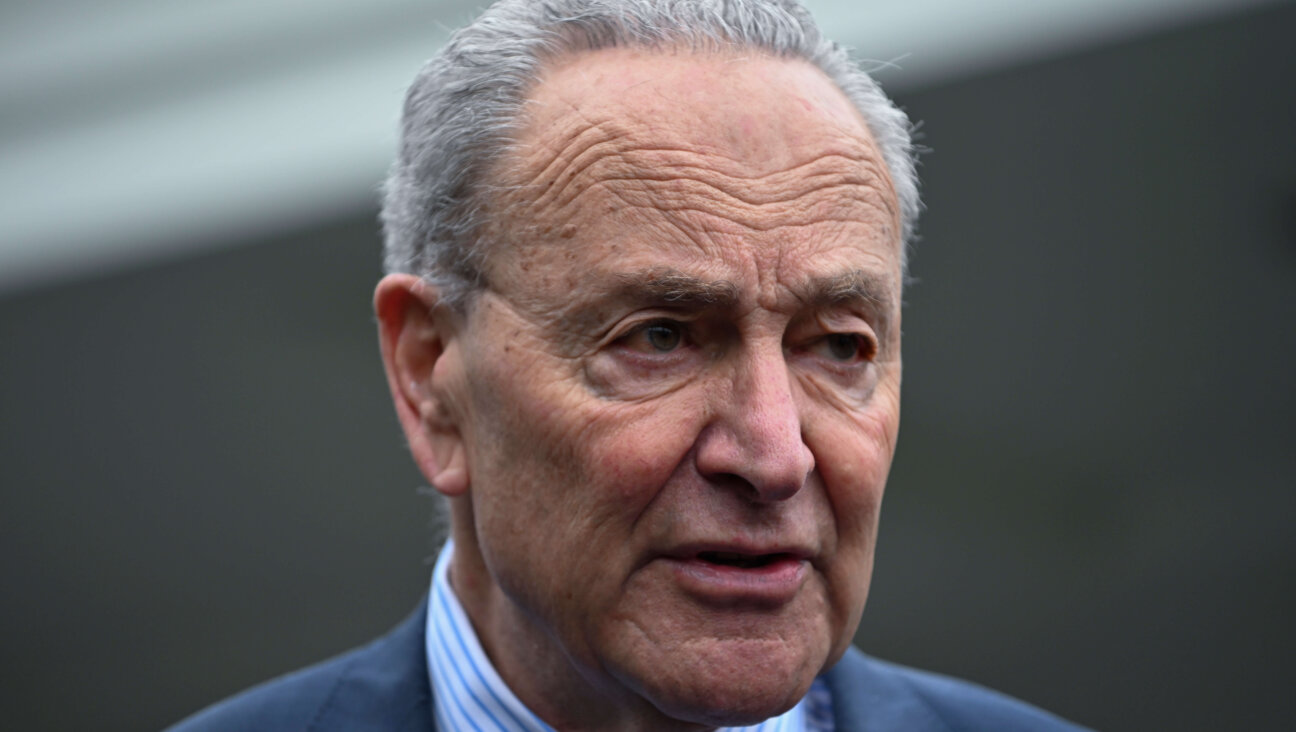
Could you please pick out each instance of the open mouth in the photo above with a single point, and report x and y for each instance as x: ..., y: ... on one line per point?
x: 742, y: 561
x: 741, y: 579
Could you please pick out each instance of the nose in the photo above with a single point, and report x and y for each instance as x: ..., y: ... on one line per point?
x: 755, y: 440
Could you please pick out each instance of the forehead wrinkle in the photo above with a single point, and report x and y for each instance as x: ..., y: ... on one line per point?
x: 602, y: 163
x: 778, y: 186
x: 842, y: 203
x: 608, y: 151
x: 819, y: 199
x: 573, y: 154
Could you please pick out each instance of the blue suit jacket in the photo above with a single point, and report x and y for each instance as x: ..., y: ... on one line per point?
x: 384, y: 686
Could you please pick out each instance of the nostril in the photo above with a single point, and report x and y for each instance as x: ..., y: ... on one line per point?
x: 782, y: 490
x: 761, y: 484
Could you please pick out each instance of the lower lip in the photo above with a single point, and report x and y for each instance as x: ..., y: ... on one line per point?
x: 775, y: 583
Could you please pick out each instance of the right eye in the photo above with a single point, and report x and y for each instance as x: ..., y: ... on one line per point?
x: 658, y: 336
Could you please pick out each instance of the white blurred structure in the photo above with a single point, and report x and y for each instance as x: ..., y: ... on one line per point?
x: 142, y: 128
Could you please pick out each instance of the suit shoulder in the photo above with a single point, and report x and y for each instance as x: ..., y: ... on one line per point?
x: 875, y: 694
x: 381, y: 686
x: 290, y: 702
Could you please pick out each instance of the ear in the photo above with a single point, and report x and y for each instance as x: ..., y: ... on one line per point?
x: 419, y: 337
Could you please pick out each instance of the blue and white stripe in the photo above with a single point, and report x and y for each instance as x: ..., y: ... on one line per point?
x: 470, y: 695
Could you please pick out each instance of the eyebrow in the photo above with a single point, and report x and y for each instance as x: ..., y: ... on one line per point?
x: 856, y: 288
x: 671, y: 286
x: 847, y: 288
x: 668, y: 285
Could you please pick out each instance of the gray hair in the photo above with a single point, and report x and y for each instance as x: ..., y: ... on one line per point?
x: 464, y: 107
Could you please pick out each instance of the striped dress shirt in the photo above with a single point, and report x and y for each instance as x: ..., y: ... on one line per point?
x: 471, y: 697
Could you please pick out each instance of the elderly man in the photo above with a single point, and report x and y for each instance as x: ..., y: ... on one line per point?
x: 642, y: 330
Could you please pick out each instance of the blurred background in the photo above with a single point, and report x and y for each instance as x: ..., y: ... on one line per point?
x: 202, y: 484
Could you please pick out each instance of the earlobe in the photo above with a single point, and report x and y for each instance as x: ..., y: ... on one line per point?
x: 452, y: 477
x: 418, y: 336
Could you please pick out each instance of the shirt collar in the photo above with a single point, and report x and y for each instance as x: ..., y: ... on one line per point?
x: 467, y: 692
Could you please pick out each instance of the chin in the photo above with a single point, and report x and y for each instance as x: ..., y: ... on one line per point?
x: 731, y: 707
x: 744, y: 686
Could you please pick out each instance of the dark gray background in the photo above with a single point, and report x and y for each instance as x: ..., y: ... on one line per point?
x: 1091, y: 506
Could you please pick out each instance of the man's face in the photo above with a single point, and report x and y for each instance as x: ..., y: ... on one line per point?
x: 679, y: 392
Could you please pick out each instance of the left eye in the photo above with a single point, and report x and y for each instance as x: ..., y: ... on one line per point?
x: 663, y: 337
x: 844, y: 347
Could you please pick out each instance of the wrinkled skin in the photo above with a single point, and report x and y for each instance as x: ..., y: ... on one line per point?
x: 691, y: 339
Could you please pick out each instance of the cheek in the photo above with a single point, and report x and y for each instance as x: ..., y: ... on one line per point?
x: 547, y: 446
x: 523, y: 455
x: 853, y: 458
x: 633, y: 450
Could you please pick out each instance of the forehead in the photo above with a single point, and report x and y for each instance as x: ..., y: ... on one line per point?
x: 731, y: 105
x: 629, y: 158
